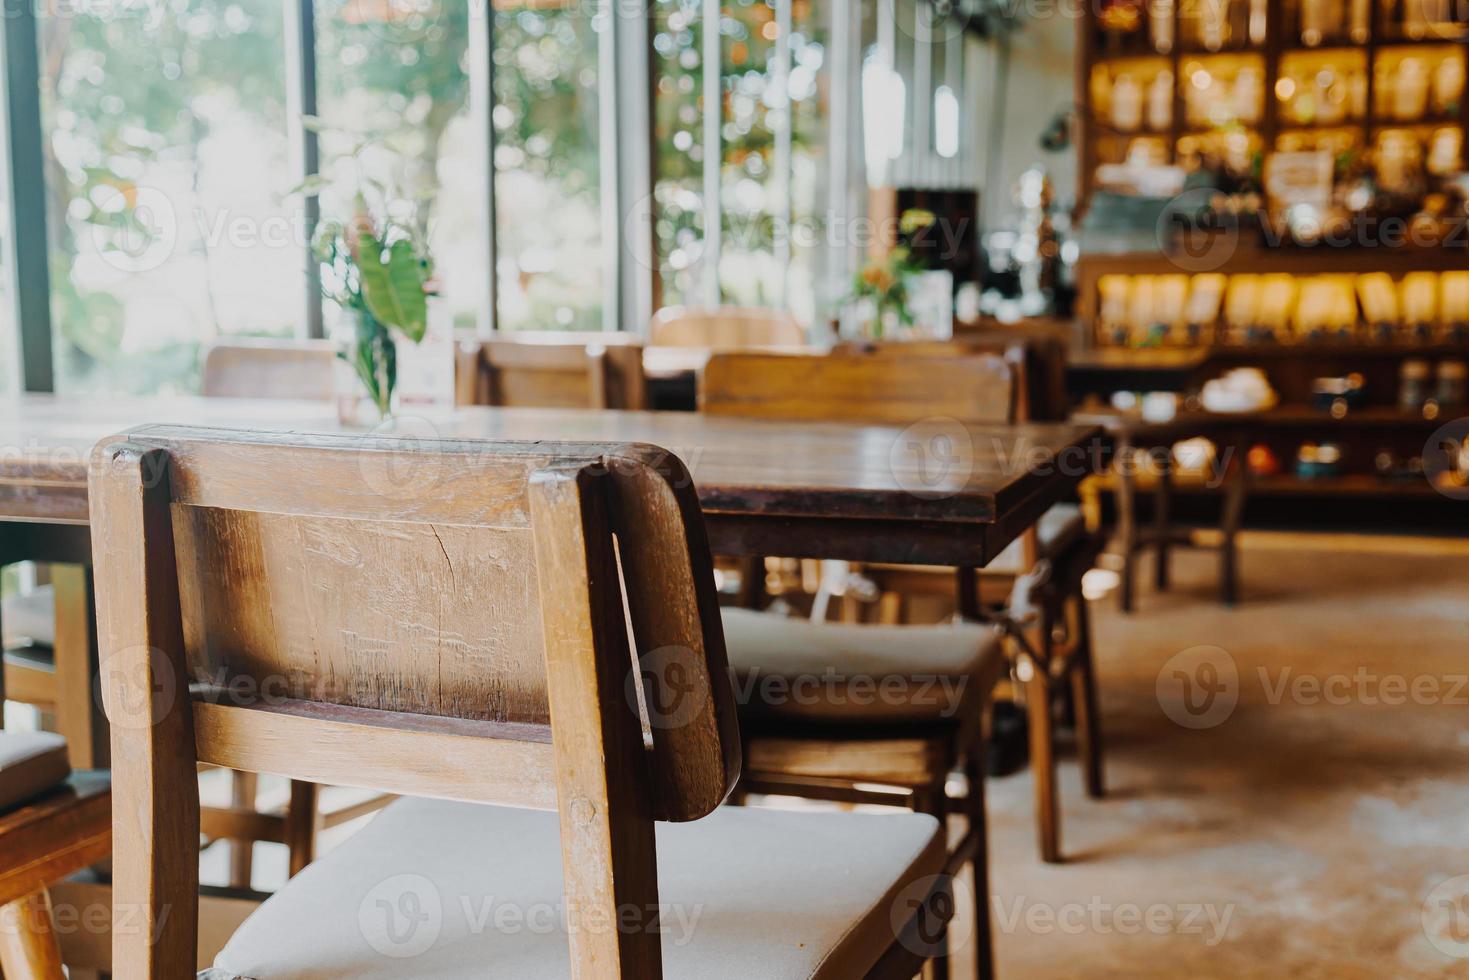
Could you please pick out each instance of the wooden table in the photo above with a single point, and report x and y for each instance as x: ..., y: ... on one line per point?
x: 938, y: 493
x: 801, y: 490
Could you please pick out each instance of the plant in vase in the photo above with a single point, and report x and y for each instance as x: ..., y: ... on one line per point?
x: 882, y: 284
x: 375, y: 265
x: 377, y: 271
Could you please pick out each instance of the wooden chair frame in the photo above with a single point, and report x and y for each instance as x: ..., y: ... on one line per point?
x: 548, y: 726
x: 41, y: 842
x: 556, y: 370
x: 1058, y: 661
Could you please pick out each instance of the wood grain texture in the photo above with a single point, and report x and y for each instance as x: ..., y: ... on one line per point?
x: 28, y: 949
x: 608, y: 853
x: 553, y: 370
x: 859, y: 388
x: 724, y: 327
x: 398, y: 752
x: 140, y: 635
x: 745, y: 470
x: 269, y: 369
x: 55, y: 835
x: 308, y: 616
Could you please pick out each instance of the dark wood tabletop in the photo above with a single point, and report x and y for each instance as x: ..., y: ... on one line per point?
x: 937, y: 492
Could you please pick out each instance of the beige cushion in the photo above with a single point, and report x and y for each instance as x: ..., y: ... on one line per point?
x: 1058, y: 529
x: 459, y: 890
x: 30, y: 764
x: 789, y: 668
x: 29, y: 618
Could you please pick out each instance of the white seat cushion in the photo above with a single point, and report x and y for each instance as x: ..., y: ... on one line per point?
x: 1058, y: 529
x: 29, y: 618
x: 459, y: 890
x: 30, y: 764
x: 788, y: 668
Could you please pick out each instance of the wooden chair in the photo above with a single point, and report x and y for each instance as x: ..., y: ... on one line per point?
x: 972, y: 381
x: 724, y: 328
x: 264, y: 368
x: 53, y: 823
x: 287, y: 369
x: 500, y: 671
x: 839, y: 746
x: 560, y: 369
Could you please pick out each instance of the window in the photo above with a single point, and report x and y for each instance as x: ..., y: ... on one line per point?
x: 548, y: 225
x: 393, y: 99
x: 678, y: 161
x: 767, y: 168
x: 164, y: 142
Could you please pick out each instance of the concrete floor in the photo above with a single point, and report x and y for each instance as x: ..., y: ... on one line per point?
x: 1298, y: 833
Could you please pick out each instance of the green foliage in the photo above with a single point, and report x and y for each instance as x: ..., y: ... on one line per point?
x: 393, y: 285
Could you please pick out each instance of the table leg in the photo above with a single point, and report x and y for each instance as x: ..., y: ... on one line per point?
x: 1126, y: 521
x: 28, y: 949
x: 1236, y: 490
x: 78, y: 711
x: 1162, y: 517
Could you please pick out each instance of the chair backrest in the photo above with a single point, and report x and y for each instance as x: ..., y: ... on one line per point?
x: 724, y: 327
x: 1039, y: 365
x: 443, y: 619
x: 858, y: 387
x: 245, y: 368
x: 553, y: 370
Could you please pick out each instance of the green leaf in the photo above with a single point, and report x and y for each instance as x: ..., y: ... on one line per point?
x: 392, y: 286
x: 312, y: 185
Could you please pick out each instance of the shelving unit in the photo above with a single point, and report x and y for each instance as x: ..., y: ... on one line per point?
x: 1264, y: 48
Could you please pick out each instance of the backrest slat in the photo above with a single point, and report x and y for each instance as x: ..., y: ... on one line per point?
x: 437, y: 618
x: 251, y: 368
x: 563, y: 370
x: 859, y: 387
x: 724, y: 327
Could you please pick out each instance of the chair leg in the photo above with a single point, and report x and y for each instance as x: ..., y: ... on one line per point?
x: 79, y: 717
x: 984, y: 949
x: 890, y: 609
x: 28, y: 949
x: 242, y: 852
x: 934, y: 801
x: 1127, y: 531
x: 1084, y: 699
x: 301, y: 825
x: 1043, y: 763
x: 1162, y: 520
